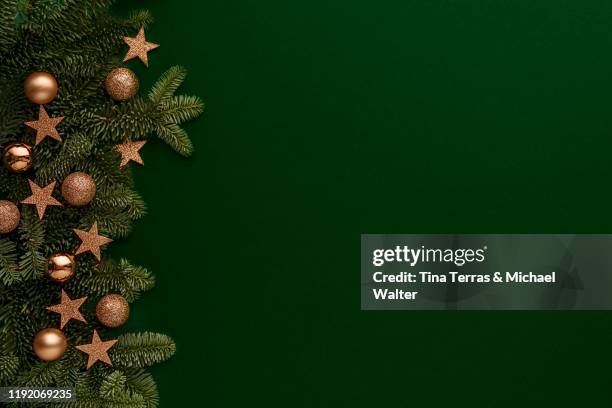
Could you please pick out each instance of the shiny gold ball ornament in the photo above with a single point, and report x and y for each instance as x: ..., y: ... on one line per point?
x: 17, y: 157
x: 61, y: 267
x: 40, y: 87
x: 50, y: 344
x: 78, y: 189
x: 121, y: 84
x: 9, y: 216
x: 112, y: 310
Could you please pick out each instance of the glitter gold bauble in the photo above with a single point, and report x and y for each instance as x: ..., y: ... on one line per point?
x: 61, y: 266
x: 112, y: 310
x: 40, y: 87
x: 50, y: 344
x: 9, y: 216
x: 121, y: 84
x: 17, y: 157
x: 78, y: 189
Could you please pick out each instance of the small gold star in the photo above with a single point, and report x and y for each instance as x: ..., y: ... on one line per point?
x: 130, y: 152
x: 91, y: 241
x: 41, y: 197
x: 68, y: 309
x: 97, y: 350
x: 45, y: 126
x: 139, y: 47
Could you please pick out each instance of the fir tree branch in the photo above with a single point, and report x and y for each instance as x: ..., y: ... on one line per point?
x: 167, y: 84
x: 42, y: 374
x: 176, y: 137
x: 32, y: 264
x: 142, y: 349
x: 181, y: 108
x: 9, y: 365
x: 122, y: 277
x: 9, y: 271
x: 139, y: 18
x: 141, y: 382
x: 74, y: 150
x: 116, y: 394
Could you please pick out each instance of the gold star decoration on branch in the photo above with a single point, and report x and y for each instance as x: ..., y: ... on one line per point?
x: 68, y: 309
x: 130, y: 152
x: 45, y: 126
x: 91, y: 241
x: 139, y: 47
x: 41, y: 197
x: 97, y: 350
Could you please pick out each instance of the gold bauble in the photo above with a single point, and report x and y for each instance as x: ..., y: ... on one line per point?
x: 50, y: 344
x: 112, y: 310
x: 78, y: 189
x: 121, y: 84
x: 40, y: 87
x: 17, y: 157
x: 9, y: 216
x: 61, y: 267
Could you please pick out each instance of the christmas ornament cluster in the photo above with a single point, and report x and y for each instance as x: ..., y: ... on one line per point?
x: 78, y: 189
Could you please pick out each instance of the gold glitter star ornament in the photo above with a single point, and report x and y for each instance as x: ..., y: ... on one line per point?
x: 130, y: 151
x: 139, y: 47
x: 68, y: 309
x: 91, y: 241
x: 97, y: 350
x: 45, y: 126
x: 41, y: 197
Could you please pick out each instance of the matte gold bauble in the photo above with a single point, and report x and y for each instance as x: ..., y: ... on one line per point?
x: 78, y: 189
x: 61, y: 267
x: 112, y: 310
x: 40, y: 87
x: 121, y: 84
x: 9, y: 216
x: 50, y: 344
x: 17, y: 157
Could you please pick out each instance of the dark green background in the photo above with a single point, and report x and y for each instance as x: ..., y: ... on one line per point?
x: 331, y: 118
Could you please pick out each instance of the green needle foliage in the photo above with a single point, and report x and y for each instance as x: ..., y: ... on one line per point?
x: 79, y: 43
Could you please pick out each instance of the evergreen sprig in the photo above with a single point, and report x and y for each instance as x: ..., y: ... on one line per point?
x: 142, y: 349
x: 9, y: 270
x: 122, y: 277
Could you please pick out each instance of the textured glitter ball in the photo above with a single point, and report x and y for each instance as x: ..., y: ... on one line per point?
x: 78, y: 189
x: 9, y: 216
x: 112, y: 310
x: 121, y: 84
